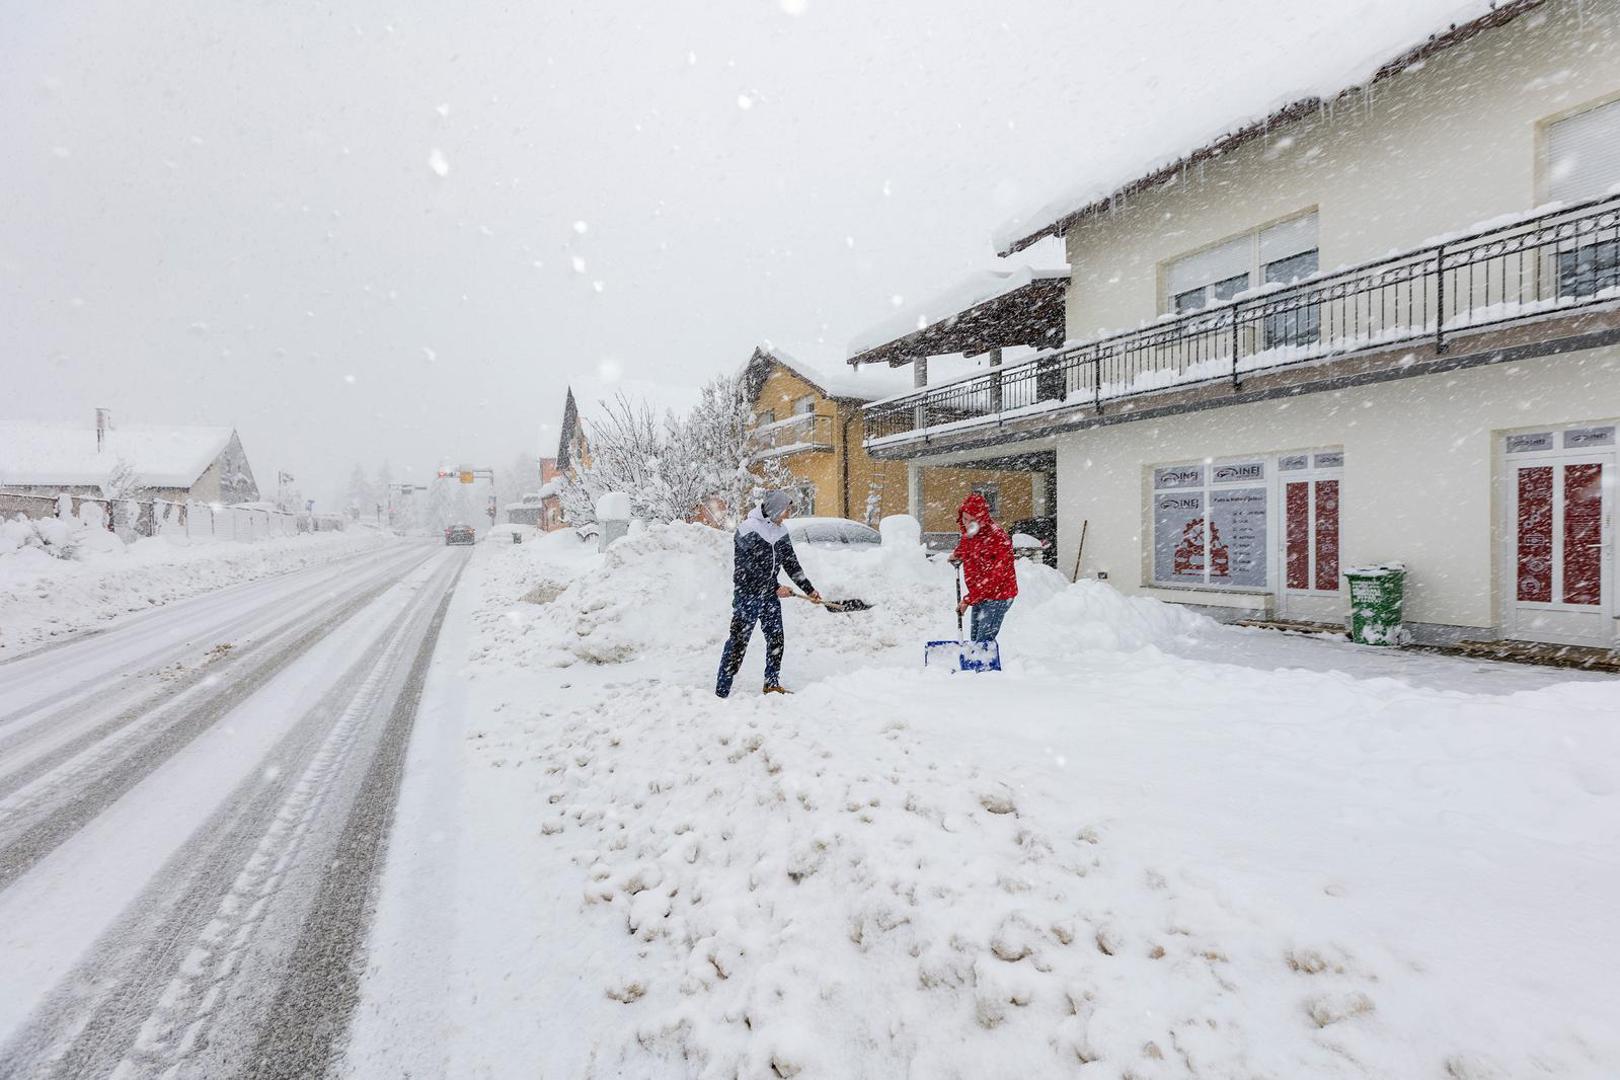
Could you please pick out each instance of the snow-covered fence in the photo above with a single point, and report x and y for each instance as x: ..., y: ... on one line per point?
x: 161, y: 517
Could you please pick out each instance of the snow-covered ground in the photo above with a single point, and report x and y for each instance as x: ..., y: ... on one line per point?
x: 1152, y: 847
x: 44, y: 597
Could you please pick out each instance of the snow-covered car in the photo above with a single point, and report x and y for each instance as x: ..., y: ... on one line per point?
x: 460, y: 534
x: 832, y: 532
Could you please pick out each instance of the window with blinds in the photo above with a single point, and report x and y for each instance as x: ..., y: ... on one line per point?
x: 1279, y: 253
x: 1583, y: 154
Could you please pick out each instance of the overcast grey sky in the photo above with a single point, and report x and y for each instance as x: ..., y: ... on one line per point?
x: 352, y: 232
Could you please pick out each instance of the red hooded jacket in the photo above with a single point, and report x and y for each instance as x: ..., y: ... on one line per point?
x: 986, y: 556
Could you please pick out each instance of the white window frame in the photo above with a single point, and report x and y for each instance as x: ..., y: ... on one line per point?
x: 992, y: 495
x: 1312, y: 472
x: 1255, y: 267
x: 1544, y: 147
x: 1273, y: 482
x: 805, y: 406
x: 1206, y: 488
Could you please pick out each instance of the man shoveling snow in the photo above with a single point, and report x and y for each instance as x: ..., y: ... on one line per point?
x: 763, y: 551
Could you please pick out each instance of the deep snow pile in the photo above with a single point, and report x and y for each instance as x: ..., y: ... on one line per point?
x: 1108, y: 861
x: 99, y: 577
x: 666, y: 590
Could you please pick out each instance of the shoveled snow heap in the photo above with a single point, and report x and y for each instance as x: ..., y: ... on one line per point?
x: 667, y: 589
x: 1110, y: 860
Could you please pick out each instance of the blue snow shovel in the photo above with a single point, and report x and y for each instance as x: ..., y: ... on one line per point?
x: 962, y: 655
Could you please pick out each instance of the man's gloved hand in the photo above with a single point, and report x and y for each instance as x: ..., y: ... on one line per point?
x: 962, y: 606
x: 783, y: 592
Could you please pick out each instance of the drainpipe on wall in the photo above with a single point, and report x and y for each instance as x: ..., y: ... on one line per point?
x: 103, y: 422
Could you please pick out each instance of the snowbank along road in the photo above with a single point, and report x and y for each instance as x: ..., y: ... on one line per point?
x: 192, y: 807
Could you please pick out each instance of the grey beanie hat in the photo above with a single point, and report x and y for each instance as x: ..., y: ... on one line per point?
x: 774, y: 503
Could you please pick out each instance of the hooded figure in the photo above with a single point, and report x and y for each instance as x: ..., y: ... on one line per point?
x: 762, y: 552
x: 985, y: 554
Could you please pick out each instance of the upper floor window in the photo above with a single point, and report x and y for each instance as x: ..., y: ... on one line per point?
x: 992, y: 495
x: 1583, y: 154
x: 806, y: 404
x: 1278, y: 253
x: 765, y: 417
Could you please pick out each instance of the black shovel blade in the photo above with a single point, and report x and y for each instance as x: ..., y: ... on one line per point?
x: 842, y: 606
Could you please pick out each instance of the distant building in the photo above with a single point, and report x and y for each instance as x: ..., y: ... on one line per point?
x: 206, y: 464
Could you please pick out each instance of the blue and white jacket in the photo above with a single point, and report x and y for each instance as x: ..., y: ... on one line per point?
x: 763, y: 551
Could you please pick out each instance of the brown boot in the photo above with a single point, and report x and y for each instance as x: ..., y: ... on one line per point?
x: 777, y: 690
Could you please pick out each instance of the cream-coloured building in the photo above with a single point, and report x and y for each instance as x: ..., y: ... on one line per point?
x: 1374, y: 328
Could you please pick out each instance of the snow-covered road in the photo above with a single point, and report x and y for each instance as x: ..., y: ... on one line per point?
x: 192, y: 805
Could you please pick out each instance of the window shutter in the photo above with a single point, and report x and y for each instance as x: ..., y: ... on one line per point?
x: 1583, y: 154
x: 1211, y: 265
x: 1292, y: 237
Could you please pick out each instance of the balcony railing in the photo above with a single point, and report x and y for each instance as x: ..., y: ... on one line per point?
x: 1552, y: 263
x: 801, y: 431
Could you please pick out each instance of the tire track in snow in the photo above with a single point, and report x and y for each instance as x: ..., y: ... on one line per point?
x: 35, y: 820
x: 100, y: 703
x: 179, y: 987
x: 98, y: 649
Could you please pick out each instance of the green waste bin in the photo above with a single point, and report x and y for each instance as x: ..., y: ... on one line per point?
x: 1376, y: 597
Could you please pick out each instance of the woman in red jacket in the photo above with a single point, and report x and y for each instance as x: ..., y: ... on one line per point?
x: 985, y: 554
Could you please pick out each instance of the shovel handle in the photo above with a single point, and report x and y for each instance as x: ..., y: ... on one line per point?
x: 958, y: 603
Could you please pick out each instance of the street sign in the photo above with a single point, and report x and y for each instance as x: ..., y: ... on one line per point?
x: 466, y: 476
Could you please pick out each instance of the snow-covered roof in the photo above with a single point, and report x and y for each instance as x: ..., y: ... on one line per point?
x: 825, y: 368
x: 979, y: 288
x: 36, y: 453
x: 1359, y: 52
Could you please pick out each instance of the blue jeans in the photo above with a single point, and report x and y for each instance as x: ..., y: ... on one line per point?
x: 987, y: 616
x: 745, y: 612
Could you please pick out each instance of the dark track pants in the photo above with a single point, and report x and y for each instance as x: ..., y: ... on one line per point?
x: 745, y: 612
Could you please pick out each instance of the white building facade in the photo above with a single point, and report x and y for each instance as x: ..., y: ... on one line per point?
x: 1374, y: 329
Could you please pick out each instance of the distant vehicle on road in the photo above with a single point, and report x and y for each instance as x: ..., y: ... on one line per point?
x: 460, y: 534
x: 832, y: 532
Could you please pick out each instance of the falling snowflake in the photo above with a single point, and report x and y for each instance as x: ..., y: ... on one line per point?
x: 579, y: 264
x: 437, y: 162
x: 581, y: 227
x: 744, y: 101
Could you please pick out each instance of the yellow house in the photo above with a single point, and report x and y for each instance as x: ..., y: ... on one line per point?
x: 810, y: 418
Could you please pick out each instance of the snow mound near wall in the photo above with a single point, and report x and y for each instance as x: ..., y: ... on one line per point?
x: 1092, y: 616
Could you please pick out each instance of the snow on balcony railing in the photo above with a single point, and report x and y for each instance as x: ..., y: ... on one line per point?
x: 801, y: 431
x: 1547, y: 264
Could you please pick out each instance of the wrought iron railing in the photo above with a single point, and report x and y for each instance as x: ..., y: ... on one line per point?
x: 1552, y: 263
x: 801, y: 431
